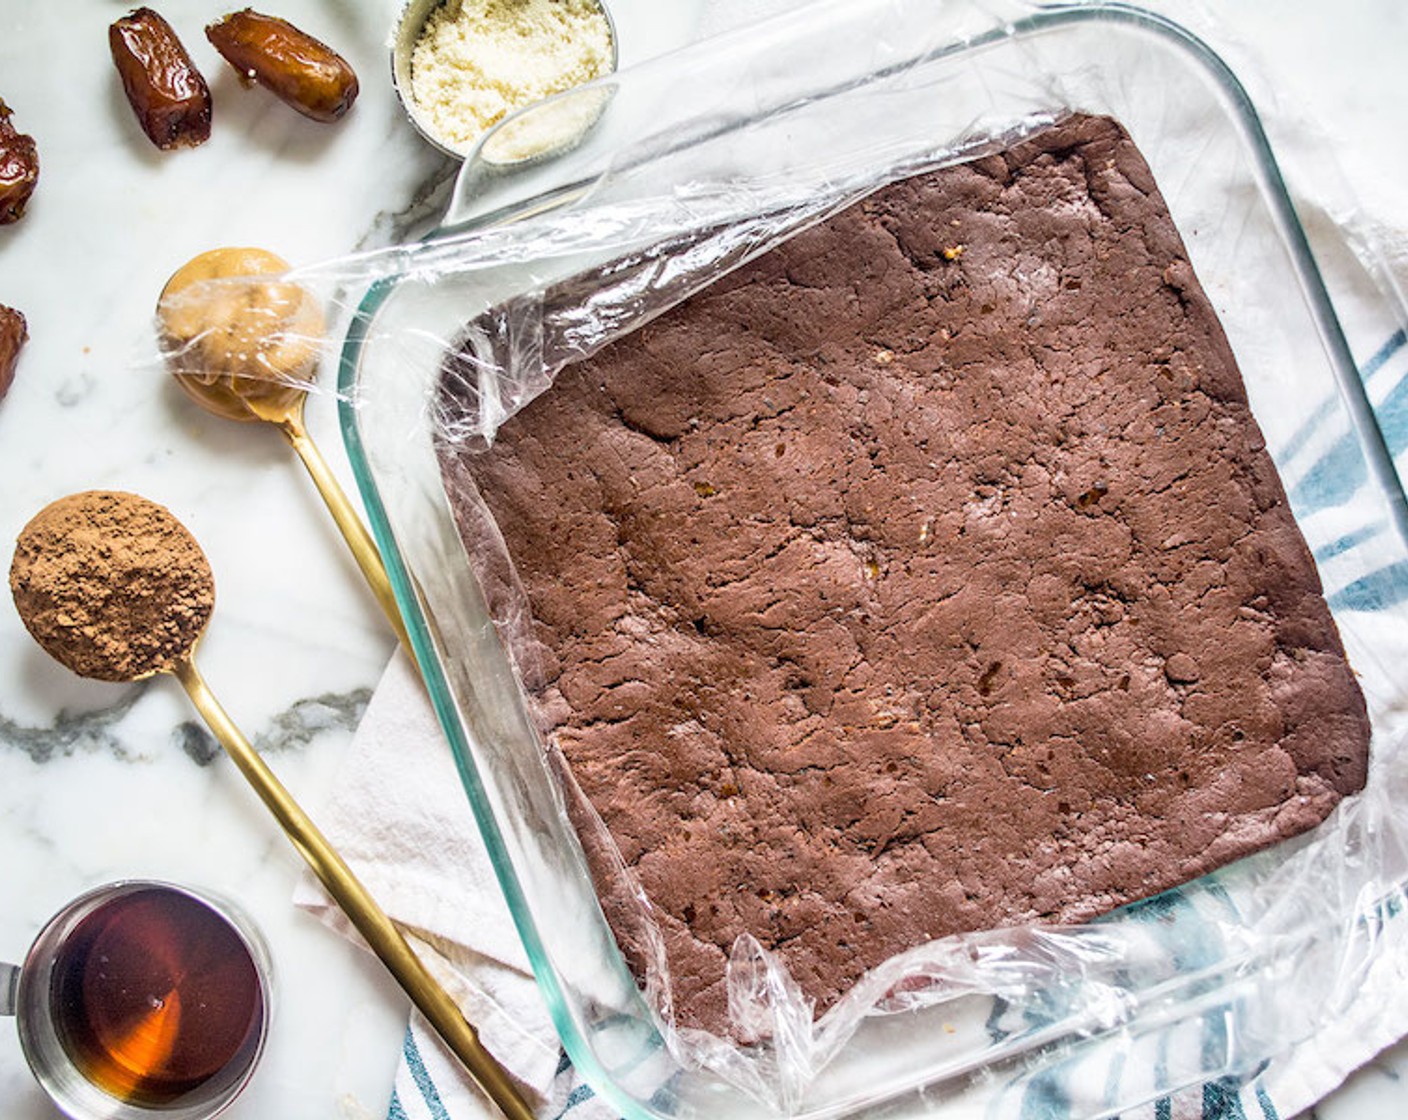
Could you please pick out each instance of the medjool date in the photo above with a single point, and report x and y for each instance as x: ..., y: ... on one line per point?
x: 299, y: 70
x: 12, y: 336
x: 19, y: 168
x: 163, y: 86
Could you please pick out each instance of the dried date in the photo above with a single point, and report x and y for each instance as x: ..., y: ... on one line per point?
x: 163, y: 86
x: 299, y: 70
x: 19, y: 168
x: 13, y: 334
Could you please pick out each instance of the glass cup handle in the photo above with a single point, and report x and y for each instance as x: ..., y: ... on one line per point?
x: 9, y: 987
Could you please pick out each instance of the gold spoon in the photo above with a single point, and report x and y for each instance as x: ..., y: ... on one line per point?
x: 116, y: 588
x: 247, y: 349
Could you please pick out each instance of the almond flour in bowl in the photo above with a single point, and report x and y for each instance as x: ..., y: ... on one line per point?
x: 461, y: 66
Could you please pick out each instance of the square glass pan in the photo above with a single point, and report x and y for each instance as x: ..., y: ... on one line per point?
x: 1232, y: 969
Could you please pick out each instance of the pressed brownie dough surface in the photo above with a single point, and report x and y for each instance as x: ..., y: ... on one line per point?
x: 927, y: 574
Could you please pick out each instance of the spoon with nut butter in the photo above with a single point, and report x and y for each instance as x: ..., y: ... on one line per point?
x: 243, y: 342
x: 114, y: 587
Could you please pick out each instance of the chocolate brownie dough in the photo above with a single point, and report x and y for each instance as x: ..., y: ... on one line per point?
x: 927, y: 574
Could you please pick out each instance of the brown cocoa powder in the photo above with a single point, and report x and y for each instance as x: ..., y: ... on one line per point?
x: 112, y: 585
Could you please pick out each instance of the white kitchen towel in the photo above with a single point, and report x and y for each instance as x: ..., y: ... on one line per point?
x: 400, y: 816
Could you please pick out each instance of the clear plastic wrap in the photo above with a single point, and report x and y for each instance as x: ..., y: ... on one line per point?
x: 1207, y: 982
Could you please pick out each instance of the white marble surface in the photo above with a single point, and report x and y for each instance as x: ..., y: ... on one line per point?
x: 100, y: 782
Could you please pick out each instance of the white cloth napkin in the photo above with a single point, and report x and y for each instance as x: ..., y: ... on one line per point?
x: 400, y: 816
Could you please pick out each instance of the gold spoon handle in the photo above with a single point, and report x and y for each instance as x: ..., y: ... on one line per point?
x: 370, y: 919
x: 354, y: 532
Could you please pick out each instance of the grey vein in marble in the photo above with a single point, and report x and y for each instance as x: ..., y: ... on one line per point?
x: 71, y: 733
x: 293, y: 728
x: 298, y: 725
x: 90, y: 731
x: 196, y: 743
x: 73, y: 391
x: 419, y: 216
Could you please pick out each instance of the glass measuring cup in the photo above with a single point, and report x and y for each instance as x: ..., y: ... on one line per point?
x: 141, y: 998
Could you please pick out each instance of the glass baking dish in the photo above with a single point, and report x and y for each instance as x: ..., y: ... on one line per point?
x: 1206, y: 982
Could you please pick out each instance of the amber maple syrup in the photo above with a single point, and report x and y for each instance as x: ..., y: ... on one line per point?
x: 157, y: 998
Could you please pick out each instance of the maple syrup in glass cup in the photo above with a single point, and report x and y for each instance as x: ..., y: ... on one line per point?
x: 142, y: 999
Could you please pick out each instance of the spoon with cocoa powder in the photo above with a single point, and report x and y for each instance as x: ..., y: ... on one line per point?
x: 114, y: 587
x: 243, y: 342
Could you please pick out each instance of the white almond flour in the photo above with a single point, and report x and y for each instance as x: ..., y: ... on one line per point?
x: 478, y: 60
